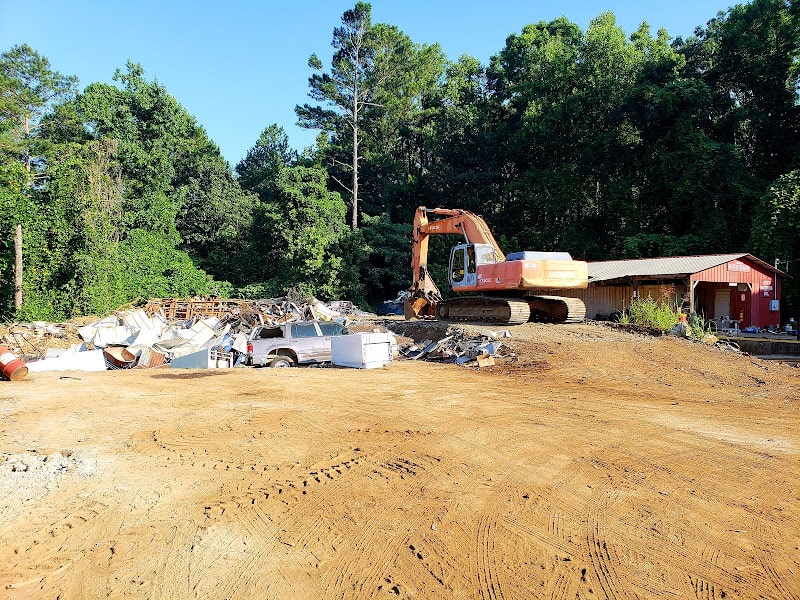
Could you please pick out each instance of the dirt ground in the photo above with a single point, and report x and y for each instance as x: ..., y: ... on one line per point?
x: 593, y: 464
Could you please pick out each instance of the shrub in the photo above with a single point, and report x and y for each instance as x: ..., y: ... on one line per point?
x: 650, y: 313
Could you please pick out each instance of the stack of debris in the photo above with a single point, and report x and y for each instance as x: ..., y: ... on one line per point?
x: 196, y: 333
x: 133, y: 338
x: 462, y: 349
x: 248, y: 313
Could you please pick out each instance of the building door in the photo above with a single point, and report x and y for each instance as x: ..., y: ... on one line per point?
x: 722, y: 303
x: 740, y: 304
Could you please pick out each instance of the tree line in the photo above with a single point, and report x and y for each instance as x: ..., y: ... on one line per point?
x: 596, y: 142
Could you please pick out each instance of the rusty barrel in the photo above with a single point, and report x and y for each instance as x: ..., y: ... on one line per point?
x: 11, y: 367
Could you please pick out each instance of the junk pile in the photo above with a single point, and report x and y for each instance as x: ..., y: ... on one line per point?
x: 196, y: 333
x: 250, y: 313
x: 463, y: 349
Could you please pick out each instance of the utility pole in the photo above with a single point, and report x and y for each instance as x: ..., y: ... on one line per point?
x: 18, y: 267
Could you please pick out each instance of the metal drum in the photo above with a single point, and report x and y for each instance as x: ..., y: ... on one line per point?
x: 11, y: 367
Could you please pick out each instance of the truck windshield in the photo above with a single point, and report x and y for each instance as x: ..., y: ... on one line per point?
x: 457, y: 265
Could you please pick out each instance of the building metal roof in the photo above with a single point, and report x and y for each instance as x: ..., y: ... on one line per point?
x: 670, y: 267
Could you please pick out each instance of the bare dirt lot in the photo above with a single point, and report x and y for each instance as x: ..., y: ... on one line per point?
x: 596, y: 464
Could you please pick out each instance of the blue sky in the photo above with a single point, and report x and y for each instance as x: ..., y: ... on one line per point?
x: 239, y: 66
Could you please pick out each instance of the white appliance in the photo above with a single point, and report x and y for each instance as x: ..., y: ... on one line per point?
x: 362, y: 350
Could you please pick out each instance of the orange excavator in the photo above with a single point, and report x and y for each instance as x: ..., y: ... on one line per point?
x: 502, y: 289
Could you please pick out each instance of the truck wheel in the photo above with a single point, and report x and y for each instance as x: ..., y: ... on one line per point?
x: 281, y: 362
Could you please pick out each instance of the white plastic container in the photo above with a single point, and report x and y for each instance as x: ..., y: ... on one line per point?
x: 362, y: 350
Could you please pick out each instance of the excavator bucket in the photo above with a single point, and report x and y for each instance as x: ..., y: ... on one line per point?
x: 418, y: 308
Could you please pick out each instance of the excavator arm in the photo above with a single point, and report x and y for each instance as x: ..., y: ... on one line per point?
x: 424, y: 294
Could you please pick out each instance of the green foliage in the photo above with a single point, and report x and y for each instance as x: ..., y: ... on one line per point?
x: 155, y: 269
x: 776, y: 230
x: 301, y: 230
x: 14, y: 210
x: 28, y: 89
x: 649, y: 312
x: 260, y: 168
x: 593, y: 142
x: 384, y: 263
x: 699, y: 328
x: 116, y: 168
x: 215, y: 217
x: 372, y: 106
x: 644, y: 245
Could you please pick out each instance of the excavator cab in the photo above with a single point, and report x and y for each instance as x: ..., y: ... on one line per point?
x: 464, y: 262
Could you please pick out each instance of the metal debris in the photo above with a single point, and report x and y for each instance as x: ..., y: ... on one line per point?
x: 189, y: 333
x: 461, y: 349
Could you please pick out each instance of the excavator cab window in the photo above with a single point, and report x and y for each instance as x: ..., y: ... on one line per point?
x: 457, y: 264
x: 463, y: 266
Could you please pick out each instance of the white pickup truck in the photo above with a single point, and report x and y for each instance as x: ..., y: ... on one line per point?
x: 292, y: 344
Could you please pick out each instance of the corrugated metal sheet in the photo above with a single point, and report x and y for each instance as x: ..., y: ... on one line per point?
x: 604, y: 300
x: 667, y: 267
x: 735, y: 271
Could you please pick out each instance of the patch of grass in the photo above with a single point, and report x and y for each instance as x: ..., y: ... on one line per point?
x: 663, y: 315
x: 699, y: 327
x: 650, y: 313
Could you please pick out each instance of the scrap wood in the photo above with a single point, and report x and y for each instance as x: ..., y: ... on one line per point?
x: 245, y: 314
x: 180, y: 309
x: 31, y: 339
x: 485, y: 360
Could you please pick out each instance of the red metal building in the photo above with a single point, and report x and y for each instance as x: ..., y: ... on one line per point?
x: 738, y: 288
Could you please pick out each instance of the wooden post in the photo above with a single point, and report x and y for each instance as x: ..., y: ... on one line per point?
x: 18, y: 267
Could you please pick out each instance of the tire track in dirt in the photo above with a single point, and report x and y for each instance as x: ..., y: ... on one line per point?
x: 171, y: 579
x: 664, y: 546
x: 287, y: 502
x: 561, y: 561
x: 489, y: 578
x: 285, y: 492
x: 56, y: 543
x: 770, y: 536
x: 434, y: 555
x: 367, y: 574
x: 489, y: 586
x: 437, y: 561
x: 602, y: 554
x: 709, y: 553
x: 266, y: 517
x: 543, y: 528
x: 205, y: 549
x: 560, y: 588
x: 538, y: 522
x: 547, y: 538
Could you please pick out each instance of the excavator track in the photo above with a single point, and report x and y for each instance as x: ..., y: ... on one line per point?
x: 484, y: 309
x: 556, y: 309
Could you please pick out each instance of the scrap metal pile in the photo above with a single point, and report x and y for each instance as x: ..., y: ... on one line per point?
x: 463, y: 349
x: 194, y: 333
x: 204, y: 333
